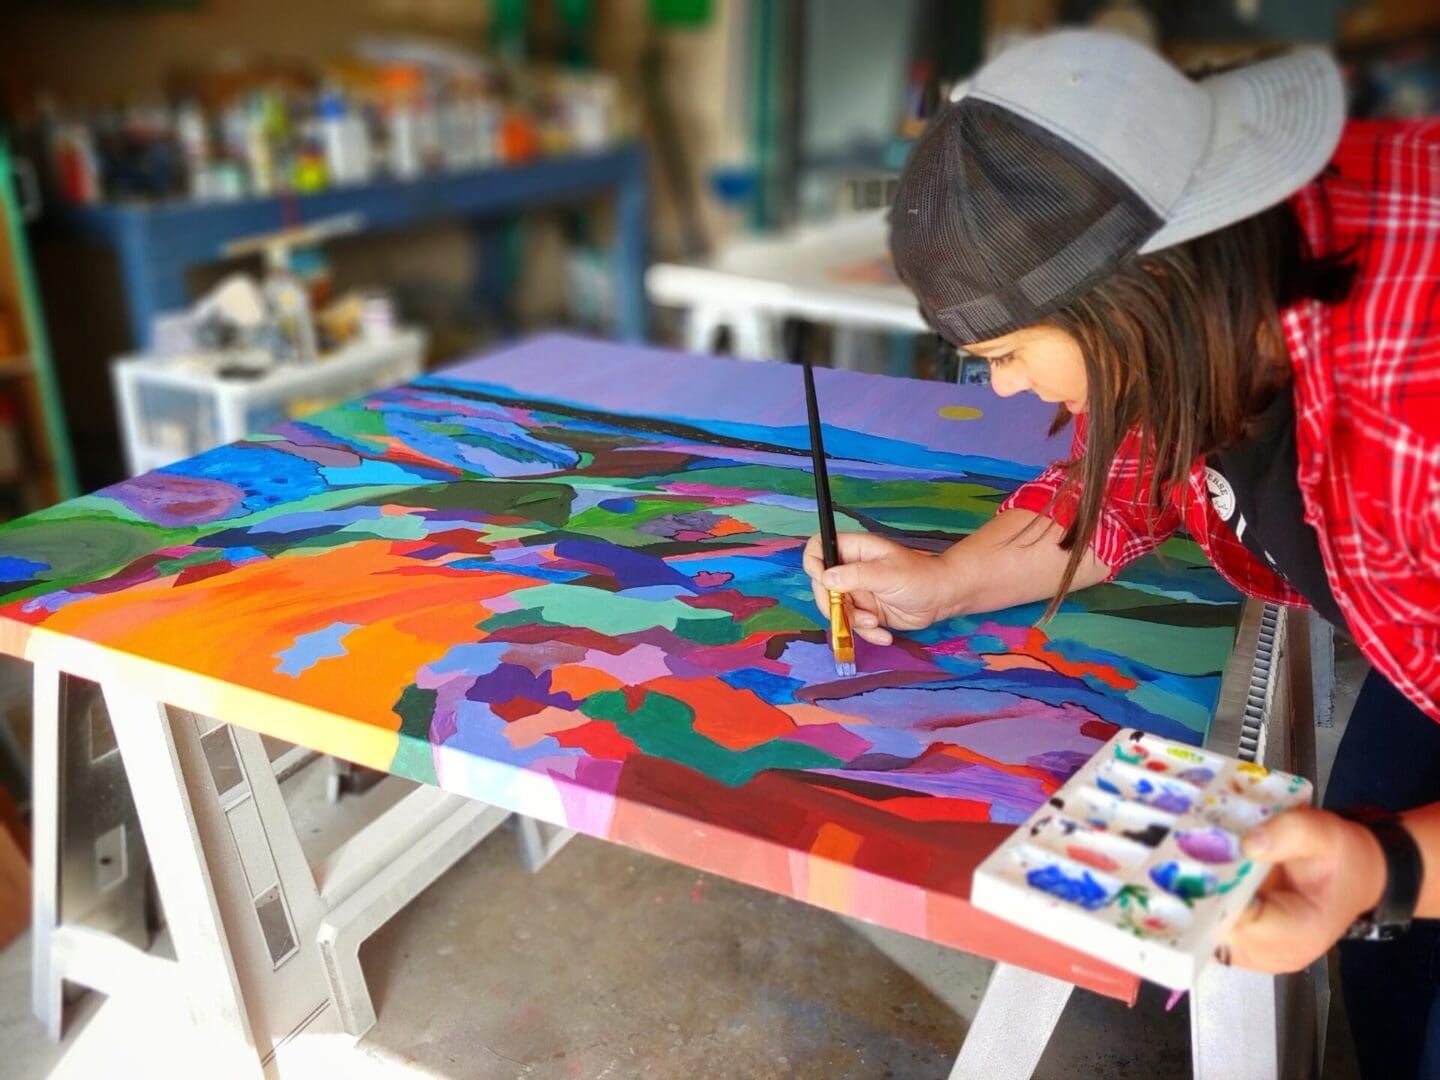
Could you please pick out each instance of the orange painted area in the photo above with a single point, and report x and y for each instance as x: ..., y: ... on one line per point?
x: 809, y: 715
x: 1014, y: 662
x: 580, y: 681
x: 529, y: 730
x: 736, y: 719
x: 1034, y: 654
x: 832, y: 866
x: 731, y: 527
x: 232, y: 627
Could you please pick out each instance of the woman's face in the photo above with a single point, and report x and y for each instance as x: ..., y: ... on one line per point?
x: 1041, y: 359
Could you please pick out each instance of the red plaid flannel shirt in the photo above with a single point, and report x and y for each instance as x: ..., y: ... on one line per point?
x: 1367, y: 404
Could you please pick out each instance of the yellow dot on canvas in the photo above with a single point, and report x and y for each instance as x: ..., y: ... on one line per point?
x: 961, y: 412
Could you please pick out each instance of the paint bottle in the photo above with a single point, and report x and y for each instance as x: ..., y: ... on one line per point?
x: 193, y: 135
x: 345, y: 139
x: 401, y: 87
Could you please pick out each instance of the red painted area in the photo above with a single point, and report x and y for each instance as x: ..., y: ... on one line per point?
x: 738, y: 604
x: 598, y: 739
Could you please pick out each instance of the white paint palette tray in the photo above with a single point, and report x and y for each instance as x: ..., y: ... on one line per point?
x: 1136, y: 859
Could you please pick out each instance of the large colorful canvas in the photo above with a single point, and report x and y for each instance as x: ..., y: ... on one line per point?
x: 566, y: 579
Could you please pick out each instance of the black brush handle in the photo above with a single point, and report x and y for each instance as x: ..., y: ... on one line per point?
x: 822, y: 476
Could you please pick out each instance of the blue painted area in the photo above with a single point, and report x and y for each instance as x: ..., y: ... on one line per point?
x: 477, y: 659
x: 539, y: 573
x: 268, y: 477
x: 766, y: 685
x: 14, y: 568
x: 310, y: 649
x: 368, y: 473
x: 481, y: 734
x: 625, y: 505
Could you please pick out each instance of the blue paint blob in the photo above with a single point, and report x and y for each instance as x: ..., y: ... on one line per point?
x: 1083, y: 890
x: 1187, y: 885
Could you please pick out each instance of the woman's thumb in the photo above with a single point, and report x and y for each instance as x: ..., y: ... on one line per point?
x: 851, y: 577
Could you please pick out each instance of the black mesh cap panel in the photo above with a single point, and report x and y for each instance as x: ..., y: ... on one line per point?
x: 997, y: 221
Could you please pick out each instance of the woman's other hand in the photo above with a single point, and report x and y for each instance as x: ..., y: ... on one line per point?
x: 1328, y: 871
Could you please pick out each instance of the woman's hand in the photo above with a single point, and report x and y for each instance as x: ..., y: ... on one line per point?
x: 1328, y: 871
x: 889, y: 585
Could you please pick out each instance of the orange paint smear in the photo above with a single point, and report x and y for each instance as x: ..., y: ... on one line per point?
x: 1034, y: 654
x: 736, y: 719
x: 232, y: 627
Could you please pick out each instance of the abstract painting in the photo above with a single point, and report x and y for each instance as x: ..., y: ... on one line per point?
x: 566, y: 578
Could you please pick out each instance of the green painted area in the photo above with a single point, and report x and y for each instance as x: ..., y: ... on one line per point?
x: 780, y: 619
x: 933, y: 518
x: 664, y: 727
x: 414, y: 757
x: 195, y: 558
x: 708, y: 631
x: 352, y: 421
x: 387, y: 527
x: 853, y: 491
x: 506, y: 619
x: 607, y: 613
x: 782, y: 520
x: 548, y: 503
x: 83, y: 549
x: 1182, y: 650
x: 597, y: 518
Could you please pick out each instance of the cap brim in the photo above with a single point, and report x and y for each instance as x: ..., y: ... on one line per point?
x: 1276, y: 125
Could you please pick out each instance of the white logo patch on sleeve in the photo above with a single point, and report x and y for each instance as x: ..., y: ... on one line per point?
x: 1222, y: 495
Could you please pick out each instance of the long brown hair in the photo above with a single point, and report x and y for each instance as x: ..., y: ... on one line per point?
x: 1186, y: 344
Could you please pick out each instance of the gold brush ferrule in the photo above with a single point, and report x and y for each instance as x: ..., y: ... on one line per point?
x: 842, y: 643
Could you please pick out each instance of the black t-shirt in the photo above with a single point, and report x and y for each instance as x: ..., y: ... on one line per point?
x: 1253, y: 488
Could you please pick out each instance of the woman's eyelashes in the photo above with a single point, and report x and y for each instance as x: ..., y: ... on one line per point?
x: 1001, y: 360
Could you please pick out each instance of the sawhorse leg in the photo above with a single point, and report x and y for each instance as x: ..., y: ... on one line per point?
x: 1017, y: 1016
x: 1232, y: 1025
x: 366, y: 883
x: 539, y: 843
x: 177, y: 844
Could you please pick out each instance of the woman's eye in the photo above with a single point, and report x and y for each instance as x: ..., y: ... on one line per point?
x: 1000, y: 361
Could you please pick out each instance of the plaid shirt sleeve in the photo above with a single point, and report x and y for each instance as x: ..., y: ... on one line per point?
x: 1367, y: 376
x: 1128, y: 526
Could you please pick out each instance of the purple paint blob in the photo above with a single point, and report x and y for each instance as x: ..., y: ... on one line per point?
x: 1209, y: 845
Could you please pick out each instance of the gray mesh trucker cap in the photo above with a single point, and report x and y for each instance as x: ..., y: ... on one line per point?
x: 1073, y: 151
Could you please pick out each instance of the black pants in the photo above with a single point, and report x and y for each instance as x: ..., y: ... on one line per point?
x: 1390, y: 757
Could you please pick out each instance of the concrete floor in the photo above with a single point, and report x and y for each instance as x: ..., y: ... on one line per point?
x: 613, y: 964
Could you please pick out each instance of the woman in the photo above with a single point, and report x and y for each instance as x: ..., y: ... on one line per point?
x: 1235, y: 297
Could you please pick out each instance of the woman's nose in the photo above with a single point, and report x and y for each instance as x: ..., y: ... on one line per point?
x: 1007, y: 381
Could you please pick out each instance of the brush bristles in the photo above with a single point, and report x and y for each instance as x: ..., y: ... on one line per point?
x: 842, y: 641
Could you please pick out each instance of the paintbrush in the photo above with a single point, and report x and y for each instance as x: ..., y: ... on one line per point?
x: 842, y: 641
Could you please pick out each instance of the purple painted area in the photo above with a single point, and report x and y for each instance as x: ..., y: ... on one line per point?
x: 177, y: 501
x: 832, y: 738
x: 510, y: 681
x: 633, y: 379
x: 627, y: 566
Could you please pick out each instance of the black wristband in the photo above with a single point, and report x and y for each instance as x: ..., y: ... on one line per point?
x: 1404, y: 872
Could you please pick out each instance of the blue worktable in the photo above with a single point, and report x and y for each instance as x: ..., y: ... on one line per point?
x: 157, y: 243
